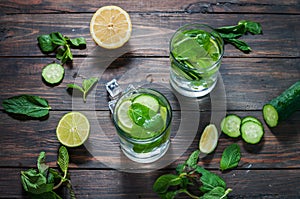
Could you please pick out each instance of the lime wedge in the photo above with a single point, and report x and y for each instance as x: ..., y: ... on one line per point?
x: 209, y: 139
x: 148, y: 101
x: 73, y: 129
x: 124, y: 120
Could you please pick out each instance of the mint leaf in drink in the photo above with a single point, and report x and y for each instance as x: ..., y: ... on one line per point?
x: 139, y: 113
x: 230, y: 157
x: 87, y: 85
x: 29, y: 105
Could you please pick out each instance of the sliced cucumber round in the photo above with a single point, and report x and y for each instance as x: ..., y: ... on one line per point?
x: 230, y: 125
x: 252, y: 132
x: 251, y: 118
x: 148, y: 101
x: 53, y: 73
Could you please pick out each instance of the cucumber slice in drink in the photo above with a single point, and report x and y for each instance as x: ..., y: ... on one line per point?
x: 251, y: 118
x: 148, y: 101
x: 230, y: 125
x: 53, y: 73
x: 252, y: 132
x: 124, y: 119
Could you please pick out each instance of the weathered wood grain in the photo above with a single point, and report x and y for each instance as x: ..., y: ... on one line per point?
x: 190, y: 6
x: 249, y: 83
x: 112, y: 184
x: 151, y: 33
x: 22, y: 141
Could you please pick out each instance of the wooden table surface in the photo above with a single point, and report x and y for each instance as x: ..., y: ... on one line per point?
x: 270, y: 169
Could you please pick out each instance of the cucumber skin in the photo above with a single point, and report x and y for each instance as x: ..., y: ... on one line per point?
x: 287, y: 102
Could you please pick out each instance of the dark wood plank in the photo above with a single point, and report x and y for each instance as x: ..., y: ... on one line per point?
x: 249, y: 83
x: 111, y: 184
x: 190, y: 6
x: 19, y: 33
x: 22, y: 141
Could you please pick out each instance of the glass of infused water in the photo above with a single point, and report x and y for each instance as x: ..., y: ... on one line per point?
x: 196, y: 51
x: 142, y: 118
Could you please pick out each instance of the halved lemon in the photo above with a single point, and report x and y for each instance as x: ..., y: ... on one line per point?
x: 73, y: 129
x: 209, y: 139
x: 110, y: 27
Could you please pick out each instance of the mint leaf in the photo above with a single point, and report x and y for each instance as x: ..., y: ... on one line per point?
x: 162, y: 184
x: 45, y: 43
x: 87, y: 85
x: 77, y: 42
x: 75, y: 86
x: 29, y: 105
x: 139, y: 113
x: 251, y: 26
x: 35, y: 182
x: 63, y: 159
x: 41, y: 163
x: 216, y: 193
x: 58, y: 39
x: 193, y: 159
x: 239, y: 44
x: 209, y: 180
x: 230, y: 157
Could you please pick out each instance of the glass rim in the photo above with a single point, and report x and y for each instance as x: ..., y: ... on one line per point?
x: 125, y: 135
x: 212, y: 30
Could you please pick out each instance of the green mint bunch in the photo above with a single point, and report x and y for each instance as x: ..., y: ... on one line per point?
x: 190, y: 175
x: 231, y: 34
x: 56, y: 42
x: 41, y: 182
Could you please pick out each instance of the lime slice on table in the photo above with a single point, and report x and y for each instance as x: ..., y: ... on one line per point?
x: 209, y: 139
x: 124, y: 120
x: 148, y: 101
x: 53, y: 73
x: 73, y: 129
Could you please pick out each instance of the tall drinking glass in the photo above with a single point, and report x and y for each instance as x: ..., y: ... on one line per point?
x: 142, y: 118
x: 196, y: 51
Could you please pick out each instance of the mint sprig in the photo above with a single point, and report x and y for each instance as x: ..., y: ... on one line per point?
x: 190, y: 174
x: 56, y: 42
x: 87, y: 85
x: 231, y: 34
x: 40, y: 182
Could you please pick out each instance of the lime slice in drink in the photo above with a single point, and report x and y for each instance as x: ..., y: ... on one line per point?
x: 124, y: 120
x: 209, y: 139
x: 73, y: 129
x: 148, y: 101
x: 53, y: 73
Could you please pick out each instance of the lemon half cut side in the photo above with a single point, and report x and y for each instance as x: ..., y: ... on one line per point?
x: 110, y: 27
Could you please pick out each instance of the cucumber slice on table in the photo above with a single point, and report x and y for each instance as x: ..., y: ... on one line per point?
x: 148, y: 101
x: 283, y: 106
x: 251, y: 118
x: 230, y: 125
x: 53, y: 73
x: 252, y: 132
